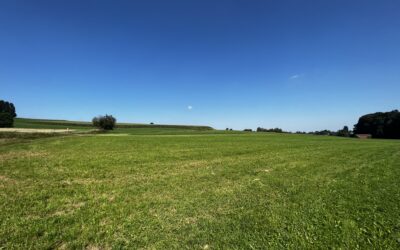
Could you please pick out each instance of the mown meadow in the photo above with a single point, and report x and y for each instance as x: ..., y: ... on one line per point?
x: 198, y: 189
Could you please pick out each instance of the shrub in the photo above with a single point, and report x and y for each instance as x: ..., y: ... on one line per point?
x: 106, y: 122
x: 6, y: 120
x: 248, y: 130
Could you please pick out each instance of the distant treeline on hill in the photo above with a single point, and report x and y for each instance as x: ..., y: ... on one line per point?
x: 342, y: 132
x: 275, y: 130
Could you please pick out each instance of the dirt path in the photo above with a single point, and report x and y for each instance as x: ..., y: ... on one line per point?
x: 33, y: 130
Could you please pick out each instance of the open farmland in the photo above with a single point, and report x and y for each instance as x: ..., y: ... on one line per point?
x: 199, y: 125
x: 190, y: 189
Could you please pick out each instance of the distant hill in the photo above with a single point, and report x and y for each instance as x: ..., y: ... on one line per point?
x: 63, y: 124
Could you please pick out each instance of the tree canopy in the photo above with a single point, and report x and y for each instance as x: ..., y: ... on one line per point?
x: 7, y: 114
x: 106, y: 122
x: 7, y: 107
x: 380, y: 125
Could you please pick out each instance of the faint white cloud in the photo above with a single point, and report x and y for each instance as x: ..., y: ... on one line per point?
x: 189, y: 107
x: 294, y: 77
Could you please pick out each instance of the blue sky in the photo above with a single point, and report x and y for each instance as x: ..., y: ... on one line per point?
x: 298, y: 65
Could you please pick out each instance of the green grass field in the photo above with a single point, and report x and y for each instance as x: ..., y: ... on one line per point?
x: 174, y: 188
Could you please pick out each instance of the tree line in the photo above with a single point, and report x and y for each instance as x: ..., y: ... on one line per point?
x: 377, y: 125
x: 344, y: 132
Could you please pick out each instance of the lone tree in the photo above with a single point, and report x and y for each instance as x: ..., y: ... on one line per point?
x: 7, y: 114
x: 106, y: 122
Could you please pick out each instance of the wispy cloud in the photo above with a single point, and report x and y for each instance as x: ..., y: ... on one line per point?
x: 189, y: 107
x: 295, y: 76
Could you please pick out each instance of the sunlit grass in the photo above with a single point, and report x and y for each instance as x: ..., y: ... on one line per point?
x: 243, y: 191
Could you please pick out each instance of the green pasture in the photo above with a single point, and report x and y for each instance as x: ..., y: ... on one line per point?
x: 171, y: 188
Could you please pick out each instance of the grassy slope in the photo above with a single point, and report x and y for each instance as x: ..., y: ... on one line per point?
x: 50, y: 124
x: 219, y: 190
x: 121, y: 127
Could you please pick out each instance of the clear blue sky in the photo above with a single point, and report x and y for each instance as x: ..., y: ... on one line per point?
x: 298, y: 65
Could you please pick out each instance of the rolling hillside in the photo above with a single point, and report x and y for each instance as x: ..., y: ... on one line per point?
x: 63, y: 124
